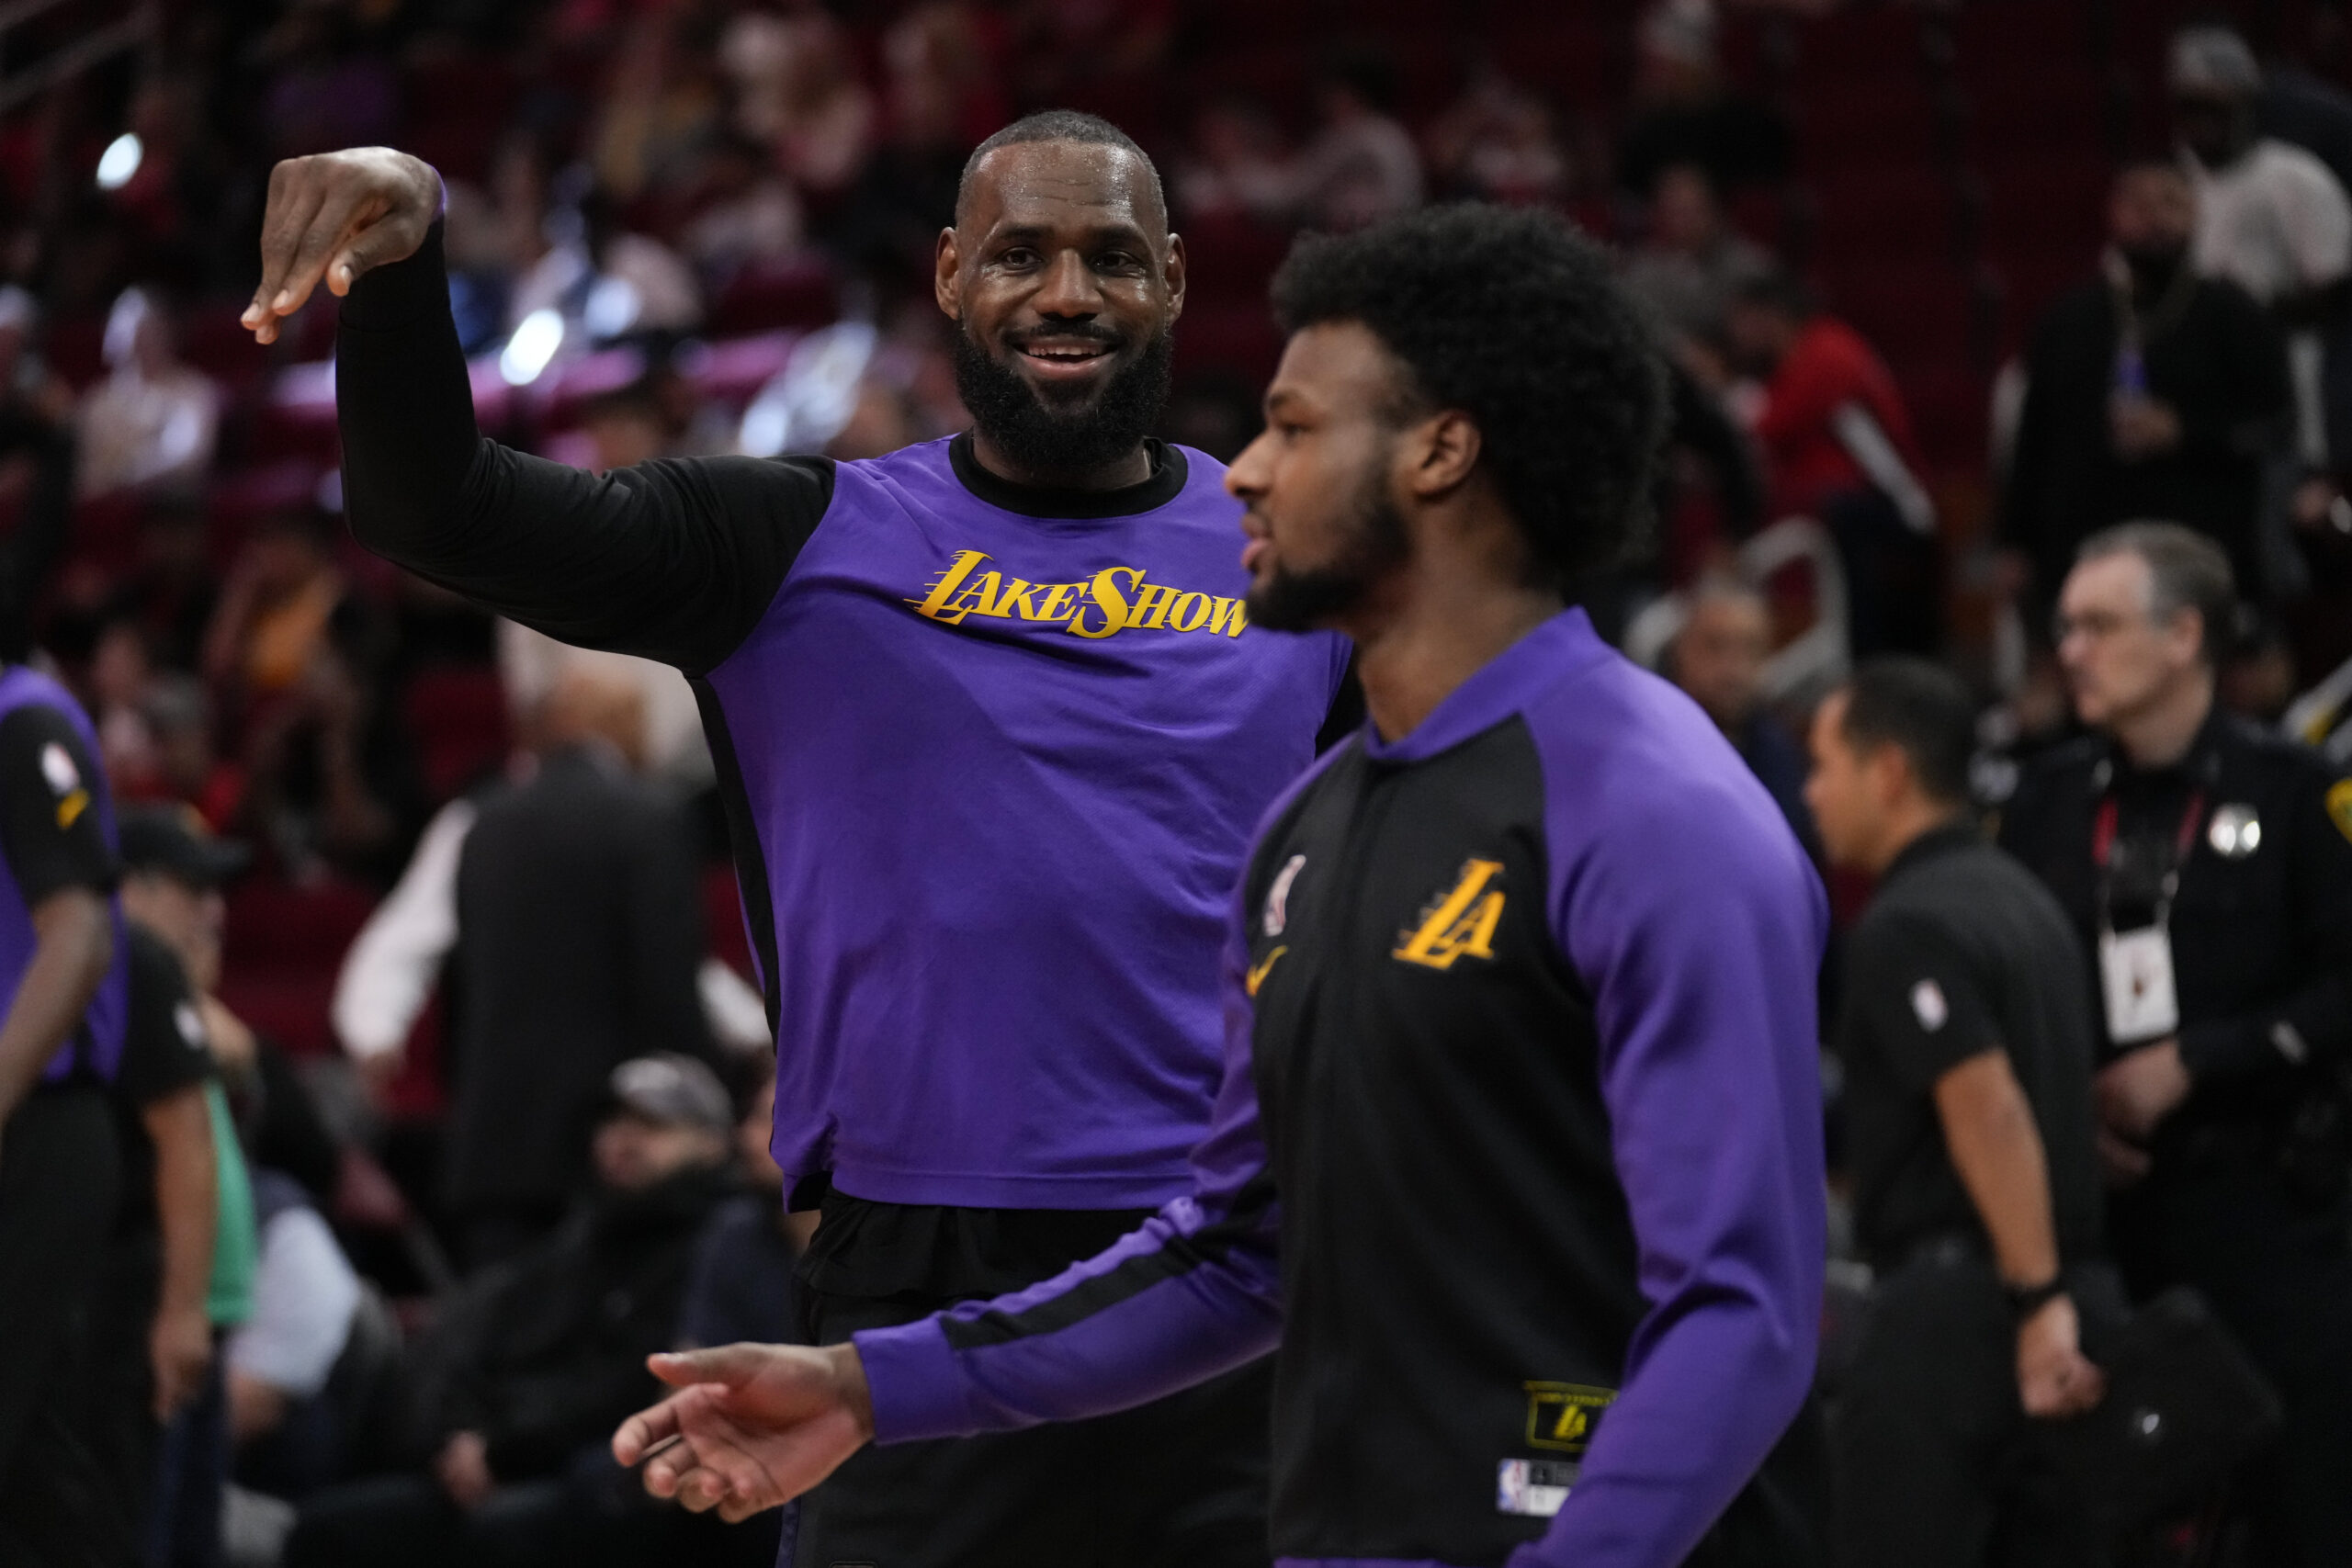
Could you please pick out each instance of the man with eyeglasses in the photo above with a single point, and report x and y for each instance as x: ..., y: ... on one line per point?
x: 2207, y: 867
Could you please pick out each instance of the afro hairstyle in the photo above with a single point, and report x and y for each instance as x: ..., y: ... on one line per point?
x: 1512, y: 317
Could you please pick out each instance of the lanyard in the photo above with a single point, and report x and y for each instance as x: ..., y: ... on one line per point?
x: 2103, y: 829
x: 2103, y: 847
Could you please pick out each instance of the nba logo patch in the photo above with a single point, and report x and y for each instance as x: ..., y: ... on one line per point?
x: 1277, y: 914
x: 1928, y: 1005
x: 1533, y: 1489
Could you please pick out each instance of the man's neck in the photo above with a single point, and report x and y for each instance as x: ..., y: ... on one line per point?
x: 1434, y: 630
x: 1119, y: 473
x: 2160, y: 733
x: 1911, y: 821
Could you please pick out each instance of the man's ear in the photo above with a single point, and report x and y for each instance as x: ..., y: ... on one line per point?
x: 946, y: 270
x: 1444, y: 448
x: 1177, y: 269
x: 2188, y: 628
x: 1890, y: 771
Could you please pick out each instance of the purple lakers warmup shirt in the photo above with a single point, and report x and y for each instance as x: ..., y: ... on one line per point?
x: 991, y: 755
x: 1518, y: 1153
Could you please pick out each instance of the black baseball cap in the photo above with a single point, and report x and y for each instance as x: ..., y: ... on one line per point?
x: 173, y: 840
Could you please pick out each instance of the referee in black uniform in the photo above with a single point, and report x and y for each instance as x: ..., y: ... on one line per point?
x: 1966, y: 1038
x: 62, y: 995
x: 2206, y: 867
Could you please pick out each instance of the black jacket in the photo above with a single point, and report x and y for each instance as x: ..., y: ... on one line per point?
x: 545, y: 1355
x: 2222, y: 366
x: 580, y: 930
x: 2261, y: 936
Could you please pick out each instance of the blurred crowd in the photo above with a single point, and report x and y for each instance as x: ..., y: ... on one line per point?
x: 491, y: 1165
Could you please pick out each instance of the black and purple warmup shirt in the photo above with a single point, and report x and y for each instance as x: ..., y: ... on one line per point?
x: 991, y: 755
x: 1518, y: 1154
x: 57, y: 831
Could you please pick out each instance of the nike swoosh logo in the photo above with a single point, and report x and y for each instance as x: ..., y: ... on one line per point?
x: 1258, y: 972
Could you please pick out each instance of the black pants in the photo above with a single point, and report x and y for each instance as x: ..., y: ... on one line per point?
x: 1936, y: 1464
x: 2278, y: 1269
x: 1177, y: 1483
x: 57, y: 1175
x: 124, y: 1432
x: 192, y: 1476
x: 1894, y: 594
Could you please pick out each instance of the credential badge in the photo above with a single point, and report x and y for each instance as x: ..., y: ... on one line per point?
x: 2235, y: 831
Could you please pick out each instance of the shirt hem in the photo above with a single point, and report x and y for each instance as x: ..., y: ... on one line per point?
x: 951, y: 1190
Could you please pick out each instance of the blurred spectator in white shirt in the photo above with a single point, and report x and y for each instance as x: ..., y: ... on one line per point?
x: 2270, y: 217
x: 1361, y: 166
x: 152, y: 421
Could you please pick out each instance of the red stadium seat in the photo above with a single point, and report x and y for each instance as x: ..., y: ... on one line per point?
x: 1231, y: 259
x: 1914, y: 314
x: 1950, y: 407
x: 238, y: 500
x: 1241, y: 339
x: 1857, y: 43
x: 732, y: 370
x: 75, y: 349
x: 214, y: 341
x: 794, y: 293
x: 1886, y: 214
x: 456, y: 715
x: 285, y: 944
x: 296, y: 417
x: 1568, y: 56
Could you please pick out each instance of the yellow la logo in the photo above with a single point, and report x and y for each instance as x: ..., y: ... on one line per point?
x: 1562, y: 1415
x: 1461, y: 922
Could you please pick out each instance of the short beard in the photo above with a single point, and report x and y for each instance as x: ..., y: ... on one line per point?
x: 1377, y: 545
x: 1064, y: 442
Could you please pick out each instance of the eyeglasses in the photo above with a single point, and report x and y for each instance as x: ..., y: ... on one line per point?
x: 2096, y: 624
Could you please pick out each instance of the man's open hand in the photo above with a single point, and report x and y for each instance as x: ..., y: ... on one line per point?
x: 758, y: 1425
x: 333, y: 217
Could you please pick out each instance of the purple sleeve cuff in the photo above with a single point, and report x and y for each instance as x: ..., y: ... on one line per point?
x: 914, y: 1383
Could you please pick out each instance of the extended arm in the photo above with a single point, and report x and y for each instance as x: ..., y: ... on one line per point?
x: 1699, y: 941
x: 74, y: 942
x: 187, y: 1206
x: 1988, y: 1127
x: 675, y: 560
x: 1194, y: 1293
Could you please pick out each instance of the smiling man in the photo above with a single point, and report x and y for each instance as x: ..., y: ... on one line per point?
x: 1519, y: 1149
x: 991, y: 729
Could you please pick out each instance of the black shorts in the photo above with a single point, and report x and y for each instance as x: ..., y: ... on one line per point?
x: 1177, y: 1483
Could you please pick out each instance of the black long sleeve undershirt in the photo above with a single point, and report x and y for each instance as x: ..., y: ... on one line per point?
x: 675, y: 559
